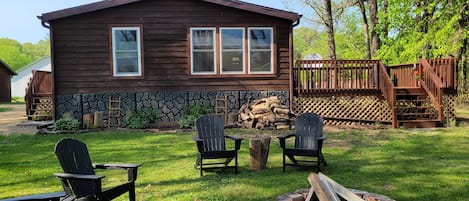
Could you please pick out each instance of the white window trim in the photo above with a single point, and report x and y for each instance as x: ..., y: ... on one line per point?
x: 139, y: 53
x: 271, y: 50
x: 243, y: 49
x: 214, y: 72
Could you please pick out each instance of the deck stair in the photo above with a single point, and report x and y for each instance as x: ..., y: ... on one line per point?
x: 38, y: 98
x: 416, y: 94
x: 41, y: 108
x: 414, y: 109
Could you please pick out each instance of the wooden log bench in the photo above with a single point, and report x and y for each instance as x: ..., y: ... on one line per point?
x: 39, y: 197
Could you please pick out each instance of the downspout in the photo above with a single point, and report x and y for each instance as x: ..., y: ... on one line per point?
x: 291, y: 60
x: 51, y: 40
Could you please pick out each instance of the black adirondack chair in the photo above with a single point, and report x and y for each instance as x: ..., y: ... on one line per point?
x: 211, y: 144
x: 79, y: 180
x: 308, y: 141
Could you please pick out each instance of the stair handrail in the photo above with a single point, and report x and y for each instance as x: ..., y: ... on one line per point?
x: 389, y: 91
x: 29, y: 93
x: 432, y: 84
x: 446, y: 70
x: 38, y: 86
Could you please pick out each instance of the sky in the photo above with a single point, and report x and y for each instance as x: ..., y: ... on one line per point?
x: 18, y: 18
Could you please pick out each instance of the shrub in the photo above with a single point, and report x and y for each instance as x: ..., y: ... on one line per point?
x: 194, y: 112
x: 70, y: 124
x: 140, y: 119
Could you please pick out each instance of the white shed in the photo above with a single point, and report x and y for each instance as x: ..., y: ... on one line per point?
x: 20, y: 82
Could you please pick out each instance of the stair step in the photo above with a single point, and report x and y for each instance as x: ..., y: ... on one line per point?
x: 414, y: 91
x: 419, y: 123
x: 416, y: 114
x: 411, y: 100
x: 415, y: 107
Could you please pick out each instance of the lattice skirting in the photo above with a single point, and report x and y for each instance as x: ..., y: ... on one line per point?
x: 345, y: 110
x: 449, y: 107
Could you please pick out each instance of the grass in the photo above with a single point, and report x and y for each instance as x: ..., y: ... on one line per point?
x: 418, y: 164
x: 4, y: 109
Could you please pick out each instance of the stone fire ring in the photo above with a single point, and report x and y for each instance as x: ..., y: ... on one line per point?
x: 300, y: 195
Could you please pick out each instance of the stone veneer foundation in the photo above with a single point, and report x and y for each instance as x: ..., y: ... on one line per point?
x: 169, y: 105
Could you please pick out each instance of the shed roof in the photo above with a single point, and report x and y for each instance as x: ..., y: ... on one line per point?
x: 47, y: 17
x: 5, y: 66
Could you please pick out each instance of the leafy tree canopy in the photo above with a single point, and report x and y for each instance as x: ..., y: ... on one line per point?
x: 18, y: 55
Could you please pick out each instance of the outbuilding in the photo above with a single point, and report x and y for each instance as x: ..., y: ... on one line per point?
x: 5, y: 82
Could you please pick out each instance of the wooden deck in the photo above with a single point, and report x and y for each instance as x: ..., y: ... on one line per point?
x: 38, y: 98
x: 400, y: 86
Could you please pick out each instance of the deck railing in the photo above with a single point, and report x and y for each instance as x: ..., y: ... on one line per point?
x: 334, y: 75
x: 446, y: 70
x: 39, y: 86
x: 404, y: 75
x: 432, y: 84
x: 386, y: 86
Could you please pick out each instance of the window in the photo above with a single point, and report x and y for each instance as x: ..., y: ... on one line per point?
x: 232, y: 50
x: 126, y: 51
x: 260, y: 50
x: 224, y: 51
x: 203, y: 50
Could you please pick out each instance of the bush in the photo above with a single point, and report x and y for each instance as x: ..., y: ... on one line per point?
x: 195, y: 111
x: 69, y: 124
x: 140, y: 119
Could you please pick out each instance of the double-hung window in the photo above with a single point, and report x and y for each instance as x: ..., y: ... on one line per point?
x: 126, y: 52
x: 232, y: 51
x: 260, y: 50
x: 203, y: 58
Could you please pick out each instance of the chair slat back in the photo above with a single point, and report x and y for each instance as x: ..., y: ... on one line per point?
x: 74, y: 159
x: 211, y: 130
x: 308, y: 128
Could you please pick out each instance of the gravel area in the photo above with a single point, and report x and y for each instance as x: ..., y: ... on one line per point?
x: 14, y: 121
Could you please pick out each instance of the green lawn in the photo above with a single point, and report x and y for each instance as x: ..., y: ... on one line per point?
x: 417, y: 164
x: 4, y: 109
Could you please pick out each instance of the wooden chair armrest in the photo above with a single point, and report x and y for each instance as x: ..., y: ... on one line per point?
x: 39, y: 197
x: 132, y: 168
x: 116, y: 166
x: 200, y: 143
x: 78, y: 176
x: 323, y: 137
x: 66, y: 177
x: 237, y: 140
x: 233, y: 137
x: 283, y: 138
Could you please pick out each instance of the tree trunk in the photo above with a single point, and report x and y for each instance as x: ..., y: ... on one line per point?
x: 373, y: 23
x: 329, y: 22
x: 463, y: 25
x: 385, y: 20
x: 366, y: 31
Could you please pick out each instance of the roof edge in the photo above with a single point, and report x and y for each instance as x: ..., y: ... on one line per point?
x: 12, y: 72
x: 68, y: 12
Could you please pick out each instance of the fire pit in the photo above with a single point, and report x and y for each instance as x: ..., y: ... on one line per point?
x: 325, y: 188
x: 301, y: 195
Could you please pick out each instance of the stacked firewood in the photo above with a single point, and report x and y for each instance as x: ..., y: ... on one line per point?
x: 265, y: 113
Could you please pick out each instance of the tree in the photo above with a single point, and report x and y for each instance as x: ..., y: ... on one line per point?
x: 323, y: 11
x: 361, y: 5
x: 17, y: 55
x: 12, y: 53
x: 375, y: 42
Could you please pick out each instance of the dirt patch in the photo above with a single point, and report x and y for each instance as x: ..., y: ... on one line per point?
x: 12, y: 121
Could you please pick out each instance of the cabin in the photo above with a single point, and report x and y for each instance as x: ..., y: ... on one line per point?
x: 19, y: 83
x: 166, y: 55
x: 5, y: 77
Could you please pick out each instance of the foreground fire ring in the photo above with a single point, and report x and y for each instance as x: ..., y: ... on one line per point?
x: 300, y: 195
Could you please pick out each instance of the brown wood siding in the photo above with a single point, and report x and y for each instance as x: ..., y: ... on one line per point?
x: 5, y: 85
x: 82, y: 57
